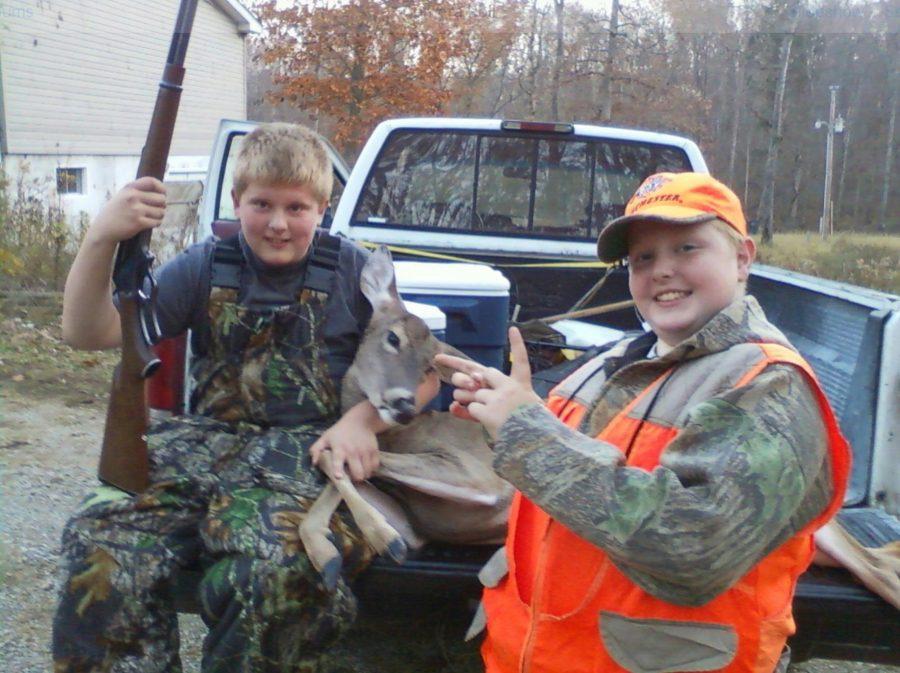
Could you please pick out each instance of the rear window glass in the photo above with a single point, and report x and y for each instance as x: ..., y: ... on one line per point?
x: 507, y: 184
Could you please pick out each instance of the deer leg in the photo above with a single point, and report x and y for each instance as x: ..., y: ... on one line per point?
x: 375, y: 529
x: 317, y: 538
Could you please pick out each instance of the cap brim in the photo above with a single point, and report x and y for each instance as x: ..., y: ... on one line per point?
x: 612, y: 244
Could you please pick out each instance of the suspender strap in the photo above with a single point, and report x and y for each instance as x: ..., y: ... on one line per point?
x: 227, y: 262
x: 323, y: 262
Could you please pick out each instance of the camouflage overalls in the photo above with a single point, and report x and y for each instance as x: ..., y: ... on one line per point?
x: 230, y: 486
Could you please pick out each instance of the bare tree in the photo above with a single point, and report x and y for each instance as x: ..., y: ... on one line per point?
x: 560, y: 7
x: 765, y: 214
x: 894, y: 81
x: 606, y: 78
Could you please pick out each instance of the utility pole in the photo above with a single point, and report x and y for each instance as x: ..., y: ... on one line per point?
x: 835, y: 124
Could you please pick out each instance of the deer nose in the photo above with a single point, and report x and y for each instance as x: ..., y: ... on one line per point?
x: 404, y: 409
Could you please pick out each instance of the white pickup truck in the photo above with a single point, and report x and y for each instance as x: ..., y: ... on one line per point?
x: 529, y: 199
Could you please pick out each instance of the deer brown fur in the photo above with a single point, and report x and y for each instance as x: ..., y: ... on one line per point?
x: 435, y: 480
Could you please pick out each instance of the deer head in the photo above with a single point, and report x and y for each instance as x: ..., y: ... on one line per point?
x: 396, y: 351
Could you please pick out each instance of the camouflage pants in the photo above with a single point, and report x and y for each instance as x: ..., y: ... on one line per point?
x: 228, y: 499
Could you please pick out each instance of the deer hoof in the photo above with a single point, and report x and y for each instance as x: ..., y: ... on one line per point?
x: 330, y: 574
x: 396, y: 550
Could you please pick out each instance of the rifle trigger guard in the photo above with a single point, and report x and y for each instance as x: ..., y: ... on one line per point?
x: 149, y: 324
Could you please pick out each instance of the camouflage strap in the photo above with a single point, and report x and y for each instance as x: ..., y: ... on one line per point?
x: 227, y: 263
x: 228, y: 260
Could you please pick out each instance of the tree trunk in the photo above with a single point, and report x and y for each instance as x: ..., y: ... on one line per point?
x: 535, y: 60
x: 795, y: 195
x: 739, y: 76
x: 746, y: 199
x: 888, y: 152
x: 765, y: 214
x: 560, y: 7
x: 845, y: 153
x: 605, y: 111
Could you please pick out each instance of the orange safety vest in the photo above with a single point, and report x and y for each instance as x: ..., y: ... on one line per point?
x: 549, y: 612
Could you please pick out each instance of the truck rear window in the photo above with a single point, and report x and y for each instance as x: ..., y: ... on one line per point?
x: 559, y: 187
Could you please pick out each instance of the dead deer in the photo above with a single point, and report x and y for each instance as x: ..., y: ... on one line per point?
x: 435, y: 479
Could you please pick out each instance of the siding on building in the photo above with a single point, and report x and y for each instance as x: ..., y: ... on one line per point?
x: 80, y: 77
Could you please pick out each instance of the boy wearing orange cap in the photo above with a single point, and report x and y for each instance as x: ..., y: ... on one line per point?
x: 669, y: 488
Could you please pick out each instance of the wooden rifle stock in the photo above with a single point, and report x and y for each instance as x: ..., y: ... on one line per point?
x: 123, y: 459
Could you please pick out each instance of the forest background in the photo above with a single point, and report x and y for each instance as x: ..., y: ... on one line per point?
x: 747, y: 81
x: 751, y: 81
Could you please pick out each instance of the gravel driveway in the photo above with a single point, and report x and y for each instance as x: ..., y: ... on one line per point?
x: 52, y: 406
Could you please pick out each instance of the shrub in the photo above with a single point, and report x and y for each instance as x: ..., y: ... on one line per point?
x: 870, y: 260
x: 37, y: 244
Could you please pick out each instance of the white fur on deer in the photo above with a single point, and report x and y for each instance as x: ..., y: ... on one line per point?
x: 435, y: 481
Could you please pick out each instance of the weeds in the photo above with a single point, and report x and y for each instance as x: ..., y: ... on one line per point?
x: 869, y: 260
x: 37, y: 244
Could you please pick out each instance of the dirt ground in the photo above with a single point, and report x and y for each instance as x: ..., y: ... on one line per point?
x: 52, y: 406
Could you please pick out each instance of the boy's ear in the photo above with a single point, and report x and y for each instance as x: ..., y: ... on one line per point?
x: 745, y: 256
x: 235, y: 200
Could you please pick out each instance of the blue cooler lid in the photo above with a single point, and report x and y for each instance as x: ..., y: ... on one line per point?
x: 440, y: 279
x: 434, y: 317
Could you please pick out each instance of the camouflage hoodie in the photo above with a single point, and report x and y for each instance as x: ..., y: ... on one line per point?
x: 747, y: 469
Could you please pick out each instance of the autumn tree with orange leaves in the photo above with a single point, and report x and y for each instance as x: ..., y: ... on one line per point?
x: 362, y: 61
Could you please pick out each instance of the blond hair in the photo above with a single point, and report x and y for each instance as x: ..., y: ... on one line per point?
x: 736, y: 239
x: 733, y: 235
x: 283, y: 154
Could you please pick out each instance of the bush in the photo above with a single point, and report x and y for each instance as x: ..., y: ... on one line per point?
x: 870, y: 260
x: 37, y: 244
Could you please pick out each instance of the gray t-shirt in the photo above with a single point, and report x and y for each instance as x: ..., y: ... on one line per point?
x: 183, y: 287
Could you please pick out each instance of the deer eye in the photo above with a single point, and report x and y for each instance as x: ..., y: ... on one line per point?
x: 393, y: 340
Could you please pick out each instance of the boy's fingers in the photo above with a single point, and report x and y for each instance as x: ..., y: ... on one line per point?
x: 149, y: 184
x: 463, y: 396
x: 460, y: 380
x: 460, y: 411
x: 315, y: 451
x: 356, y: 469
x: 374, y: 462
x: 154, y: 199
x: 337, y: 462
x: 520, y: 370
x: 148, y: 222
x: 457, y: 363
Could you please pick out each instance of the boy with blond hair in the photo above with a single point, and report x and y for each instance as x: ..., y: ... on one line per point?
x: 276, y: 314
x: 669, y: 489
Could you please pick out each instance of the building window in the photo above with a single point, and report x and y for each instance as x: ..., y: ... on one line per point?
x: 70, y: 180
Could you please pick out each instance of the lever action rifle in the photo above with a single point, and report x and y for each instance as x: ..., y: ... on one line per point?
x: 123, y: 458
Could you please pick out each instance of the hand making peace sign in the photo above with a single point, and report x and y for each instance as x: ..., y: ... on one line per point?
x: 487, y: 395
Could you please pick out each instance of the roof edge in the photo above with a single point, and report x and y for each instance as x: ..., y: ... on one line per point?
x: 243, y: 18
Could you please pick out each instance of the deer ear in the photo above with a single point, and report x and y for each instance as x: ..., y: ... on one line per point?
x: 377, y: 280
x: 444, y: 373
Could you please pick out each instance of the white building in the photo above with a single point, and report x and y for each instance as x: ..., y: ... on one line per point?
x: 78, y: 82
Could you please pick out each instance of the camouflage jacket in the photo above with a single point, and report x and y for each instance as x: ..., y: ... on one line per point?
x: 747, y: 469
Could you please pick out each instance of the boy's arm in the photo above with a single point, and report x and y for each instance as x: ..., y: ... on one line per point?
x: 352, y: 440
x: 747, y: 471
x: 90, y: 319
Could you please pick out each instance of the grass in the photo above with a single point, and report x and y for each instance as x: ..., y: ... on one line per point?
x: 869, y: 260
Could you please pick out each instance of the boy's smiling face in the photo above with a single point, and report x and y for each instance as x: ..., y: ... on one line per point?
x: 279, y: 221
x: 680, y: 276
